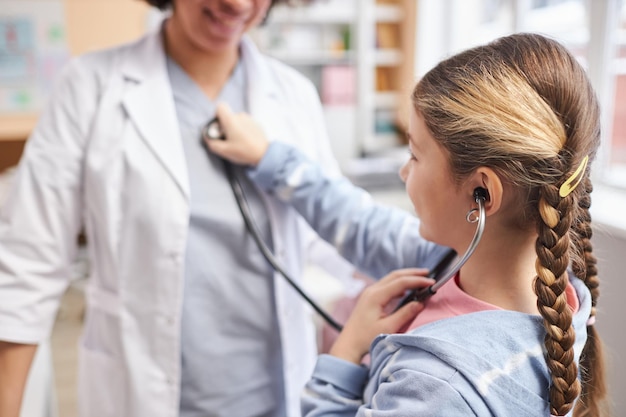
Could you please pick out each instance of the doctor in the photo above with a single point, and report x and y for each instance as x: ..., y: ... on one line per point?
x: 184, y: 316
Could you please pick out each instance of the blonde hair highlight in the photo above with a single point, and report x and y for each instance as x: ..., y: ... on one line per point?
x: 523, y: 106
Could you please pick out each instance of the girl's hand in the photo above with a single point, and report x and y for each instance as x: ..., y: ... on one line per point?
x: 245, y: 142
x: 372, y: 314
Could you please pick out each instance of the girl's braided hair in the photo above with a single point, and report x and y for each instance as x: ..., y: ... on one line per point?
x: 523, y: 106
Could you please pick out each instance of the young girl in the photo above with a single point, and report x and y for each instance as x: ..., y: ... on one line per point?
x: 513, y: 334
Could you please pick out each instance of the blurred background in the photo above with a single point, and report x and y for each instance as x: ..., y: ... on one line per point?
x: 364, y: 57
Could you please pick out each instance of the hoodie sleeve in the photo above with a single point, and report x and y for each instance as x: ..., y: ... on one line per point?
x: 336, y: 389
x: 375, y: 238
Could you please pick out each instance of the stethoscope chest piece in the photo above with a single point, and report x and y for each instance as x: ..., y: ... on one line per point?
x: 213, y: 130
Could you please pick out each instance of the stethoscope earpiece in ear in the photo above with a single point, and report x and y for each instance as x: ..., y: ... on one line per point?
x: 481, y: 193
x: 476, y: 215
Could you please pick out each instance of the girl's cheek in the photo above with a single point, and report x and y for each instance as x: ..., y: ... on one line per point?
x: 404, y: 172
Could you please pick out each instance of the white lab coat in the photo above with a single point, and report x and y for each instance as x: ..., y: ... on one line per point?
x: 106, y: 155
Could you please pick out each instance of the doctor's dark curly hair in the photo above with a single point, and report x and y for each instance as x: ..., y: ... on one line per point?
x: 166, y: 4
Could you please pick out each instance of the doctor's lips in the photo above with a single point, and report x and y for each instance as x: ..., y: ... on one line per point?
x: 226, y: 20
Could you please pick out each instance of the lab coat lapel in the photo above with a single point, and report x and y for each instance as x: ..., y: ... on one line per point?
x: 263, y: 101
x: 150, y: 105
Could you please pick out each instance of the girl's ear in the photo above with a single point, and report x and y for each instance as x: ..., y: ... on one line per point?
x: 488, y: 179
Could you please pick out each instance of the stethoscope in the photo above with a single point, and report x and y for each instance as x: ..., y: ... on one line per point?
x: 477, y: 216
x: 213, y: 131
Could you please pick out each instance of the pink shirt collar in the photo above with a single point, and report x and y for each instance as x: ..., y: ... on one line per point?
x: 451, y: 301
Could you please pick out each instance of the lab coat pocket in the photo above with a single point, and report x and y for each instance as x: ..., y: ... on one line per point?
x: 102, y: 375
x: 101, y: 391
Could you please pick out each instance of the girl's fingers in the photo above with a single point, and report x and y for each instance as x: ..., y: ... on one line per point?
x: 384, y: 291
x: 404, y: 315
x: 219, y: 147
x: 405, y: 271
x: 245, y: 142
x: 225, y: 115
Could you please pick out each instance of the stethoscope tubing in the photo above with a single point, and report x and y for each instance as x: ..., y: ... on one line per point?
x: 265, y: 251
x: 470, y: 250
x: 454, y: 269
x: 213, y: 131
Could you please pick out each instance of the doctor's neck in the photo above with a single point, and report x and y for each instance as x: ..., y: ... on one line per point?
x: 209, y: 69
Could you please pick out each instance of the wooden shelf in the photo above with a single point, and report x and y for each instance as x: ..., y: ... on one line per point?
x: 378, y: 43
x: 312, y: 15
x: 386, y: 99
x: 14, y: 130
x: 388, y: 13
x: 317, y: 57
x: 97, y: 24
x: 16, y: 126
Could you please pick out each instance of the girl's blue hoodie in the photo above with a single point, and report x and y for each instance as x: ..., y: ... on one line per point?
x: 488, y: 363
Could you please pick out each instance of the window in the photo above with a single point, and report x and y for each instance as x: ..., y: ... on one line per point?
x: 616, y: 172
x: 595, y: 32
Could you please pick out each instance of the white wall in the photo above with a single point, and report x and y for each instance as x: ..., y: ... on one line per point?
x: 610, y: 249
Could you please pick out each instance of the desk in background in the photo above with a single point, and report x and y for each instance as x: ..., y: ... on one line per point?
x: 89, y: 25
x: 14, y: 130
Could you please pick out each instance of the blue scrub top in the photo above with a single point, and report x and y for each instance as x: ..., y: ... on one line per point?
x: 231, y: 351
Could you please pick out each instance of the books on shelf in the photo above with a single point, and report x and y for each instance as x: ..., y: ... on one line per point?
x: 338, y: 85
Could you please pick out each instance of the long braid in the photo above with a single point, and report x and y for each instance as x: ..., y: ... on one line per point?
x: 536, y: 146
x: 553, y: 244
x: 586, y: 270
x: 594, y: 390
